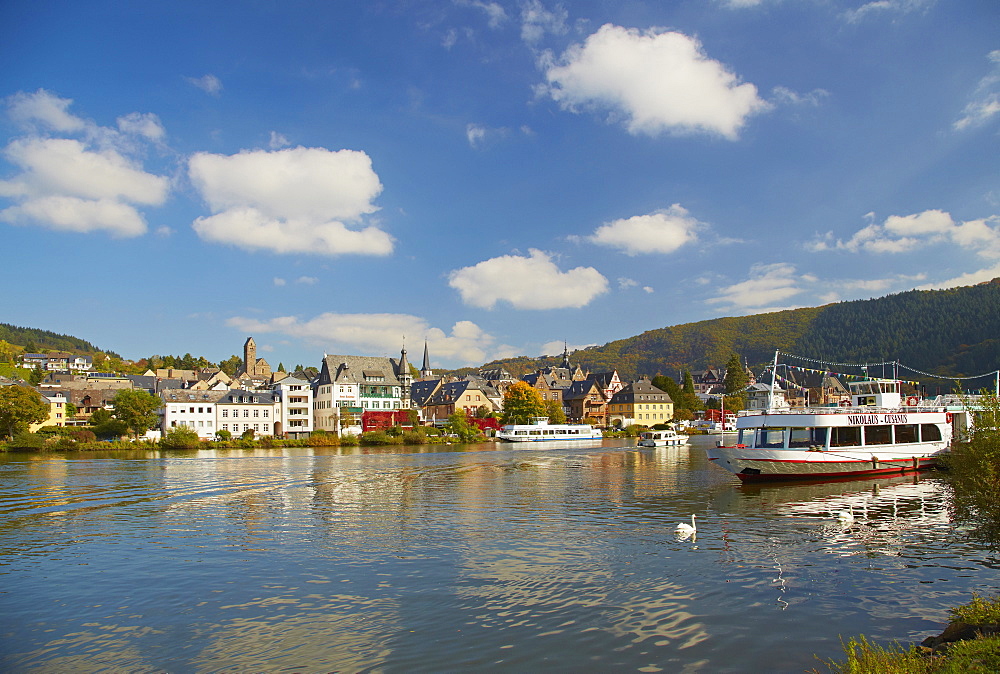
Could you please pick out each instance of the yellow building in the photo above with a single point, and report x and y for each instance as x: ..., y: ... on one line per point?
x: 640, y: 403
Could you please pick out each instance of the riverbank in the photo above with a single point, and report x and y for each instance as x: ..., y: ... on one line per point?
x: 970, y: 643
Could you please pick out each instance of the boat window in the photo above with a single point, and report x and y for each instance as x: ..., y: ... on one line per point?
x: 806, y: 437
x: 930, y: 432
x: 746, y: 436
x: 770, y: 438
x: 906, y: 433
x: 878, y: 435
x: 845, y: 436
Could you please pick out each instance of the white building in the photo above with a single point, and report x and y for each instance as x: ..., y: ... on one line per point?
x: 295, y: 408
x: 194, y: 409
x: 348, y: 386
x: 239, y: 411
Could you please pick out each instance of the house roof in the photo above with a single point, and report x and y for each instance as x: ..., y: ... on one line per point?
x: 352, y: 369
x: 641, y: 391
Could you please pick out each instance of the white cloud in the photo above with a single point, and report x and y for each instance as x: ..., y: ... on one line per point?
x: 985, y: 103
x: 899, y: 234
x: 967, y: 279
x: 785, y: 96
x: 648, y: 289
x: 626, y: 283
x: 72, y: 214
x: 210, y: 84
x: 495, y: 13
x: 279, y: 282
x: 661, y: 232
x: 556, y: 348
x: 475, y: 134
x: 536, y: 21
x: 657, y: 81
x: 294, y: 200
x: 378, y: 334
x: 44, y: 106
x: 880, y: 7
x: 533, y: 282
x: 307, y: 280
x: 277, y: 141
x: 768, y: 284
x: 88, y: 185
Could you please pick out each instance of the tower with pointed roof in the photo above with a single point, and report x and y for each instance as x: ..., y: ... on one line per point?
x: 425, y: 370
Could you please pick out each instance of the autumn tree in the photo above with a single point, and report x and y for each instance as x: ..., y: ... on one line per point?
x: 554, y: 409
x: 21, y: 406
x: 521, y: 403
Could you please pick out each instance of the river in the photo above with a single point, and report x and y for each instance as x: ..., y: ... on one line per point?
x: 501, y: 558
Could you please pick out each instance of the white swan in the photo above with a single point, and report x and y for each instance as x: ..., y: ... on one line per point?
x: 846, y: 517
x: 684, y: 530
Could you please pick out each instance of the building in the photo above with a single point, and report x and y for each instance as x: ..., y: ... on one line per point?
x: 463, y: 395
x: 295, y: 411
x: 585, y: 400
x: 640, y: 403
x: 195, y: 409
x: 57, y: 401
x: 239, y: 411
x: 347, y: 386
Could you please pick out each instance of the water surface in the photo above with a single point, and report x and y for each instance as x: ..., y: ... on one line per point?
x: 497, y: 558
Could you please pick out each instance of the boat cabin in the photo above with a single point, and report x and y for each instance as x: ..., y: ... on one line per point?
x: 875, y: 393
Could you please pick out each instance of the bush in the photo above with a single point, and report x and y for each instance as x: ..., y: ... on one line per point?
x: 27, y: 440
x: 322, y: 439
x: 380, y: 437
x: 82, y: 435
x: 181, y: 437
x: 349, y: 440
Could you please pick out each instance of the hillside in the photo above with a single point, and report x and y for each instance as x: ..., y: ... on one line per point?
x: 953, y: 332
x: 34, y: 339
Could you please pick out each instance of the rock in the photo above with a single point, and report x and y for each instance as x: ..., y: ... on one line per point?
x: 958, y: 631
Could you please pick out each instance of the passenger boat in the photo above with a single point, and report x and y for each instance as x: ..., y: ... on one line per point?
x: 665, y: 438
x: 540, y: 430
x: 876, y: 433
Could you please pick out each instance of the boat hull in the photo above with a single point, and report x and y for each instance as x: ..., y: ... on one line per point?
x: 759, y: 465
x: 671, y: 442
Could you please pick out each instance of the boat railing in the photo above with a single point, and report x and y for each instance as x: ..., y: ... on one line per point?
x: 923, y: 407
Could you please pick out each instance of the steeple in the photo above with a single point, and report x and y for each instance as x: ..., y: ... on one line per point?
x: 250, y: 356
x: 425, y: 370
x: 565, y: 362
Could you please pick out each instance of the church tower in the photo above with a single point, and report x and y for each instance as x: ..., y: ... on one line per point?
x: 425, y: 371
x: 250, y: 357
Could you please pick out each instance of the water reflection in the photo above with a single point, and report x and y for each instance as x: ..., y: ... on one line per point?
x: 479, y: 556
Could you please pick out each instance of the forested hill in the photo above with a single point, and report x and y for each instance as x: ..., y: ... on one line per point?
x: 953, y: 332
x: 33, y: 340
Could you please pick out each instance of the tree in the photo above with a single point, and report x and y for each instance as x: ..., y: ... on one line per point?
x: 231, y: 365
x: 555, y: 411
x: 223, y: 435
x: 21, y: 406
x: 70, y: 410
x: 670, y: 387
x: 182, y: 437
x: 36, y: 375
x: 136, y: 410
x: 459, y: 424
x: 521, y: 403
x: 974, y: 473
x: 106, y: 426
x: 690, y: 400
x: 736, y: 381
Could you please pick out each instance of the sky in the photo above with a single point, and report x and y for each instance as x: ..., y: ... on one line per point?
x: 494, y: 178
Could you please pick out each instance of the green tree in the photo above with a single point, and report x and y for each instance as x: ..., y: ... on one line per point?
x: 670, y: 387
x: 974, y: 472
x: 70, y: 411
x: 181, y: 437
x: 21, y: 406
x: 459, y: 424
x: 36, y: 375
x: 690, y: 400
x: 136, y: 410
x: 231, y: 365
x: 105, y: 425
x: 521, y: 403
x: 555, y: 411
x: 736, y: 381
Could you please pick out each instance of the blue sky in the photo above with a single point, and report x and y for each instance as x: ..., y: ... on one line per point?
x: 493, y: 177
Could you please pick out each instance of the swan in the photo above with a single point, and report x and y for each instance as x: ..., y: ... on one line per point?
x: 684, y: 530
x: 845, y: 516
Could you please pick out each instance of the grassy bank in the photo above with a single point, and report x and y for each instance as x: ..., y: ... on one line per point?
x: 970, y: 643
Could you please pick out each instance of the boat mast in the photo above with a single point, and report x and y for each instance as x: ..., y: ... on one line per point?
x: 774, y: 377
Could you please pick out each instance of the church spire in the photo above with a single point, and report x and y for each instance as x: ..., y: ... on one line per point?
x: 565, y: 362
x: 425, y: 370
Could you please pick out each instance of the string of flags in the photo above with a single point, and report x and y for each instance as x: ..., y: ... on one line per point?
x: 831, y: 373
x: 896, y: 364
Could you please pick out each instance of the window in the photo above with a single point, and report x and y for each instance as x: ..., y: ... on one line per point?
x: 771, y: 437
x: 906, y: 433
x: 225, y: 413
x: 256, y: 413
x: 878, y: 435
x: 845, y: 436
x: 806, y: 437
x: 246, y: 414
x: 266, y: 413
x: 930, y: 432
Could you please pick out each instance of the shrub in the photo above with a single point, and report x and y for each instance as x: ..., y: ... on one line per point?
x: 349, y: 440
x: 322, y: 439
x: 82, y: 435
x: 181, y: 437
x: 27, y: 440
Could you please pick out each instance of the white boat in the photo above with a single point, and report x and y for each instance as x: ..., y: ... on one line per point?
x: 877, y: 433
x: 540, y: 430
x: 665, y: 438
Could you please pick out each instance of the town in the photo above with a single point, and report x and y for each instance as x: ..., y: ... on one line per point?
x: 350, y: 395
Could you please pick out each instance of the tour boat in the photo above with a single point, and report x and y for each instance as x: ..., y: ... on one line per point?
x: 541, y: 430
x: 666, y: 438
x: 877, y: 432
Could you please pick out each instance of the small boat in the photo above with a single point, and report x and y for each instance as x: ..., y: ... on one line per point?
x: 665, y: 438
x: 877, y: 432
x: 540, y: 430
